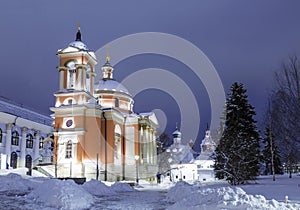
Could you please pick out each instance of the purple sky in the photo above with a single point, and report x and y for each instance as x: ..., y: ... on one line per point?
x: 245, y: 40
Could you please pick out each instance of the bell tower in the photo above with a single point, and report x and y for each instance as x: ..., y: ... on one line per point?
x: 76, y: 73
x: 75, y: 110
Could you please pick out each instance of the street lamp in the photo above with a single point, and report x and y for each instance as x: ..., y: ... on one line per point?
x: 137, y: 157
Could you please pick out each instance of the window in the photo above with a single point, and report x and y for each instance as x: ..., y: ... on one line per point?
x: 28, y: 161
x: 15, y: 138
x: 29, y: 141
x: 13, y: 160
x: 41, y: 145
x: 117, y: 149
x: 183, y: 177
x: 117, y: 102
x: 88, y: 79
x: 0, y: 135
x: 69, y: 150
x: 71, y: 74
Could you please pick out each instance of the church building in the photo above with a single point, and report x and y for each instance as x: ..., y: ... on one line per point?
x: 96, y: 132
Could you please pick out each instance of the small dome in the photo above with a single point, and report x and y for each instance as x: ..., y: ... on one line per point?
x: 78, y: 44
x: 176, y: 133
x: 111, y: 85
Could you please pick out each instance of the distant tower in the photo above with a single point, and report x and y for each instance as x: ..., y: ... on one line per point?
x: 208, y: 145
x: 176, y: 135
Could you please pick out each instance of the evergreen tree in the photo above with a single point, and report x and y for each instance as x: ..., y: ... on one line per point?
x: 237, y: 155
x: 267, y: 154
x: 162, y: 143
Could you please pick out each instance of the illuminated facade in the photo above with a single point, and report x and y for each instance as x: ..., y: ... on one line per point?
x: 25, y: 136
x: 94, y: 123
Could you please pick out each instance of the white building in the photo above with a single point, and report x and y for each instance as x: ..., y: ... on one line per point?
x: 184, y: 167
x: 24, y: 136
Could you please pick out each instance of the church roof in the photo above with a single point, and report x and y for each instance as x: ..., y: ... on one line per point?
x: 111, y: 85
x: 79, y: 44
x: 19, y: 110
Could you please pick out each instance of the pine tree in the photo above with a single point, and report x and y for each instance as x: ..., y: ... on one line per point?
x: 267, y: 154
x: 237, y: 155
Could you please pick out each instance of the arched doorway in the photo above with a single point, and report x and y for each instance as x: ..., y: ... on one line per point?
x: 13, y: 160
x: 28, y: 161
x: 117, y: 149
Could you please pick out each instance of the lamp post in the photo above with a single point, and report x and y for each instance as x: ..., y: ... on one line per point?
x: 137, y: 157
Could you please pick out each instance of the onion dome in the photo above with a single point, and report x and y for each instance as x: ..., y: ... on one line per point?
x: 176, y: 133
x: 78, y: 42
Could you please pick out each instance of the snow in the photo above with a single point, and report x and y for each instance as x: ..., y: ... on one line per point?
x: 196, y: 197
x: 24, y: 192
x: 62, y: 194
x: 122, y: 187
x: 97, y: 188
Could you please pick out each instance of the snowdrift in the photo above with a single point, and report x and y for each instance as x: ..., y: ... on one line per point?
x: 195, y: 197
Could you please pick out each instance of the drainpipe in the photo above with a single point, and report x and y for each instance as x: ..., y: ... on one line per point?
x: 123, y: 150
x: 105, y: 147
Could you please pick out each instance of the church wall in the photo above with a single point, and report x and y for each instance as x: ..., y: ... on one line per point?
x: 65, y: 80
x: 110, y: 126
x: 110, y: 140
x: 136, y: 139
x: 92, y: 139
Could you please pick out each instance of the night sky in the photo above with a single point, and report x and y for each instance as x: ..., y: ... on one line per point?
x: 246, y: 41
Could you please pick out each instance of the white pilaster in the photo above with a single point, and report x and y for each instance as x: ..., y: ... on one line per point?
x: 37, y: 145
x: 23, y: 147
x: 155, y: 148
x: 61, y: 79
x: 74, y: 152
x: 144, y: 145
x: 8, y: 141
x: 148, y: 145
x: 152, y: 146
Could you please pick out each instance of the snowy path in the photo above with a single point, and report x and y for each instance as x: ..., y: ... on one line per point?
x: 140, y: 200
x: 133, y: 200
x: 17, y: 192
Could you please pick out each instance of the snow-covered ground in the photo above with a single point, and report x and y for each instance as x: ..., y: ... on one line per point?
x: 38, y: 192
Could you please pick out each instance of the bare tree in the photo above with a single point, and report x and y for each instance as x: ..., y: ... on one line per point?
x: 284, y: 114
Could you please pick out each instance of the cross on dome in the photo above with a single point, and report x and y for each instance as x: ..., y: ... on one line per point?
x: 78, y: 34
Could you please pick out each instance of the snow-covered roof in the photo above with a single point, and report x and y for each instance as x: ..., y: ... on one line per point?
x: 14, y: 108
x: 78, y: 44
x: 145, y: 114
x: 112, y: 85
x: 151, y: 116
x: 77, y: 47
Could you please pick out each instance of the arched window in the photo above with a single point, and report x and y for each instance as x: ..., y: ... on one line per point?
x: 0, y: 135
x: 13, y: 160
x: 117, y: 150
x: 15, y: 138
x: 41, y: 144
x: 29, y: 141
x: 117, y: 103
x: 88, y: 78
x: 28, y: 161
x: 69, y: 150
x: 71, y: 74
